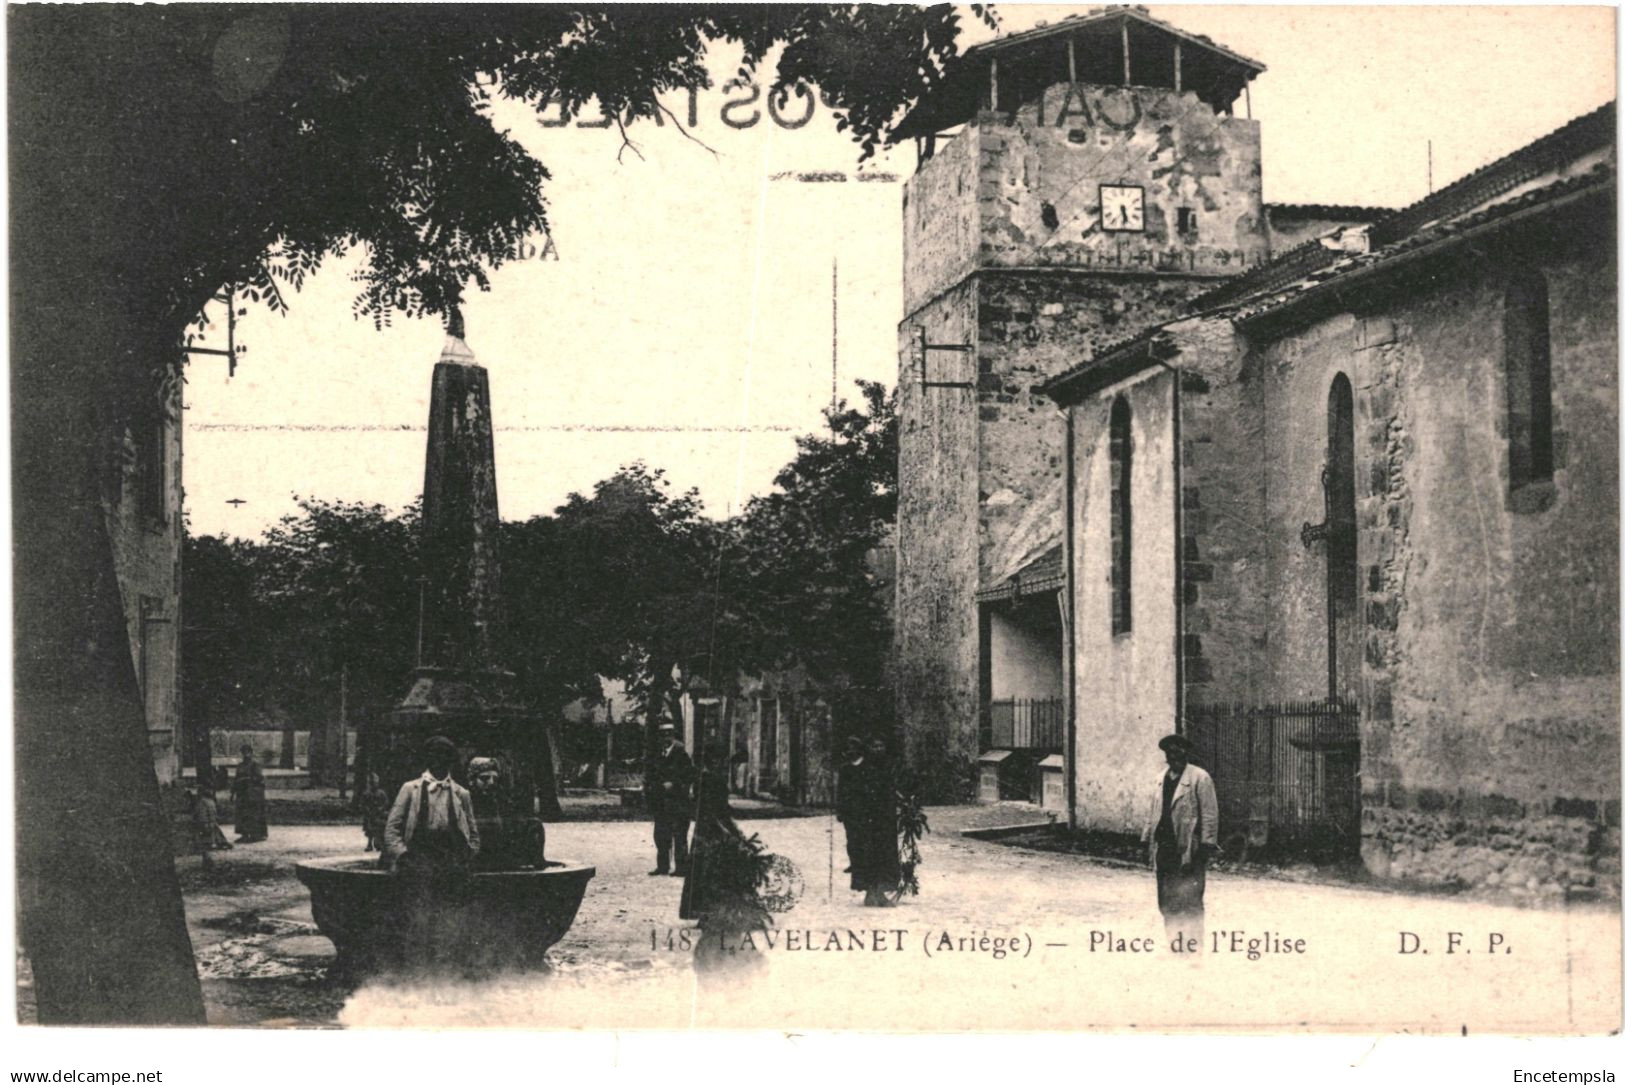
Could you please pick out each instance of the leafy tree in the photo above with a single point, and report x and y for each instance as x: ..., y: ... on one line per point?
x: 804, y: 549
x: 160, y: 154
x: 222, y: 632
x: 338, y: 585
x: 329, y: 596
x: 626, y: 584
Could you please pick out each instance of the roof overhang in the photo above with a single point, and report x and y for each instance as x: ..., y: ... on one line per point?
x: 1034, y: 60
x: 1347, y: 290
x: 1111, y: 365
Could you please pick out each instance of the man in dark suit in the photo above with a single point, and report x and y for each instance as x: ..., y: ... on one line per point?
x: 668, y: 786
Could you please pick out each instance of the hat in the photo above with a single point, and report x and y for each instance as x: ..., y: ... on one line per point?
x: 1173, y: 741
x: 439, y: 744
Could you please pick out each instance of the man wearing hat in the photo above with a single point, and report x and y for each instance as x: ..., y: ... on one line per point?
x: 667, y: 785
x: 847, y: 778
x: 431, y: 830
x: 1183, y: 833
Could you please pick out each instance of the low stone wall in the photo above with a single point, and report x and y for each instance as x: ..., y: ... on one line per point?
x: 1569, y: 849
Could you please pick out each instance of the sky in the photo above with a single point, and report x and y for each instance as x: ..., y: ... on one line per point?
x: 687, y: 319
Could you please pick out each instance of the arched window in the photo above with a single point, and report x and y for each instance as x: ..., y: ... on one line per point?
x: 1122, y: 462
x: 1342, y: 548
x: 1527, y: 342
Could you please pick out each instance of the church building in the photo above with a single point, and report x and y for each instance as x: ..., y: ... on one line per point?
x: 1332, y: 490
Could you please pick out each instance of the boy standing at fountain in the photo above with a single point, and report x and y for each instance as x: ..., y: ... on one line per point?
x: 431, y: 831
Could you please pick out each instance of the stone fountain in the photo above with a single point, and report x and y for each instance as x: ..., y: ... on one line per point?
x: 519, y: 903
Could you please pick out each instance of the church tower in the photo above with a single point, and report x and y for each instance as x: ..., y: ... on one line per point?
x: 1077, y: 183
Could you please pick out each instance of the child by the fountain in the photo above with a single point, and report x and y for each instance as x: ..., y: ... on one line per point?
x: 511, y: 837
x: 206, y: 834
x: 374, y: 812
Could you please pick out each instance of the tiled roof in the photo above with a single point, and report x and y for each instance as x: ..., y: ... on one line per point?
x: 1105, y: 14
x: 1593, y: 130
x: 957, y: 95
x: 1046, y: 573
x: 1144, y: 345
x: 1290, y: 266
x: 1341, y: 212
x: 1598, y: 178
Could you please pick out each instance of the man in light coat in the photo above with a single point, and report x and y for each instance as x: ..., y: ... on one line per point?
x: 431, y: 830
x: 1182, y: 832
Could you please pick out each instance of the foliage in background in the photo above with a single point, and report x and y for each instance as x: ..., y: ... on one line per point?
x: 160, y: 154
x: 270, y: 626
x: 624, y: 583
x: 806, y: 548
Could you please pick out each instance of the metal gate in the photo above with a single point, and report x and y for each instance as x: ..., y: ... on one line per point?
x: 1288, y: 775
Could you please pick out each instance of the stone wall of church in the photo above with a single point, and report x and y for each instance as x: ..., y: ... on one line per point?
x: 1221, y: 588
x: 1030, y: 327
x: 1198, y: 174
x: 1125, y: 682
x: 935, y: 634
x: 941, y: 223
x: 1489, y: 680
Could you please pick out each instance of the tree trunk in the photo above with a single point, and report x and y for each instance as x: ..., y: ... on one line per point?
x: 102, y: 921
x: 289, y: 731
x: 101, y: 915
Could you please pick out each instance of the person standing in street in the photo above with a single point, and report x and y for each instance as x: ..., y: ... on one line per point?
x: 248, y: 799
x: 1182, y: 830
x: 431, y: 839
x: 846, y: 785
x: 668, y: 785
x: 206, y: 834
x: 431, y: 831
x: 871, y: 821
x: 374, y: 811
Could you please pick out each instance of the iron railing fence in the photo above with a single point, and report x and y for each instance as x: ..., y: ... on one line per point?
x: 1287, y: 774
x: 1025, y: 723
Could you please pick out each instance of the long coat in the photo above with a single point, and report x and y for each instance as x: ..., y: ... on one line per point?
x: 869, y: 812
x: 248, y: 801
x: 668, y: 784
x: 1194, y: 814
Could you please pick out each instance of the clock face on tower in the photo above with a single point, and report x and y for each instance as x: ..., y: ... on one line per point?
x: 1122, y: 208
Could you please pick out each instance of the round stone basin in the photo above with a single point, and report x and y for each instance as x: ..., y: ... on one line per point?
x: 505, y: 919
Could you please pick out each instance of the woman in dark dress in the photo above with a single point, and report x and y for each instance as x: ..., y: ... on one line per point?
x: 248, y: 800
x: 871, y: 825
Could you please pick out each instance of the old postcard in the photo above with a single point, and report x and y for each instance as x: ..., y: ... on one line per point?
x: 796, y: 517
